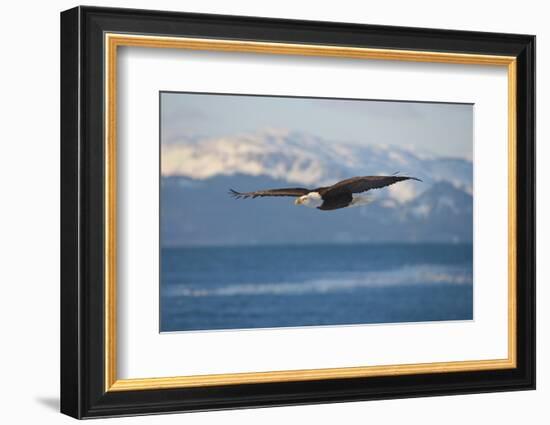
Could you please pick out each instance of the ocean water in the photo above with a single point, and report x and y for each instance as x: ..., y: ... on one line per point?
x: 205, y: 288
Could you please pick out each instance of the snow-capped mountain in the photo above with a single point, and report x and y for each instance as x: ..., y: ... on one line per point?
x: 442, y: 199
x: 195, y: 207
x: 308, y: 160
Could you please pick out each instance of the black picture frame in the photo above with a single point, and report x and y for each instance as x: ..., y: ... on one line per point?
x: 83, y: 392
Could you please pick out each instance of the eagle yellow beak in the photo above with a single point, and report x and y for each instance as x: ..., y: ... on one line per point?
x: 298, y: 201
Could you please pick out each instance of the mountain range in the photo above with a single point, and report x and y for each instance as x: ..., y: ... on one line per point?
x: 197, y: 173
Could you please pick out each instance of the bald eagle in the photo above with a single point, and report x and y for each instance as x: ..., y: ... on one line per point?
x: 346, y: 193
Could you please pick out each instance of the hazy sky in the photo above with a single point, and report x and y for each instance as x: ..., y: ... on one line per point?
x: 439, y: 128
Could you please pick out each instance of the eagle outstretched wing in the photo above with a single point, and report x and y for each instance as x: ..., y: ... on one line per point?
x: 362, y: 184
x: 293, y: 191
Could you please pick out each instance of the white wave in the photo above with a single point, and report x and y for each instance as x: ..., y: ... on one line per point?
x: 337, y: 282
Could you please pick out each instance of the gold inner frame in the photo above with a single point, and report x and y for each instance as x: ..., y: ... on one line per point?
x: 113, y: 41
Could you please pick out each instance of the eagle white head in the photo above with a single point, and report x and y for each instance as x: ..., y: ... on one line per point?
x: 311, y: 200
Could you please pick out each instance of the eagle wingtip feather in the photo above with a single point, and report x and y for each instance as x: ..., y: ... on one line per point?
x: 235, y: 194
x: 413, y: 178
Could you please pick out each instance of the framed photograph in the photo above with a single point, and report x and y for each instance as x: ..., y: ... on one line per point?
x: 261, y: 212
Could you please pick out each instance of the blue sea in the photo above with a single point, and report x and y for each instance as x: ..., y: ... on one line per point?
x: 205, y: 288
